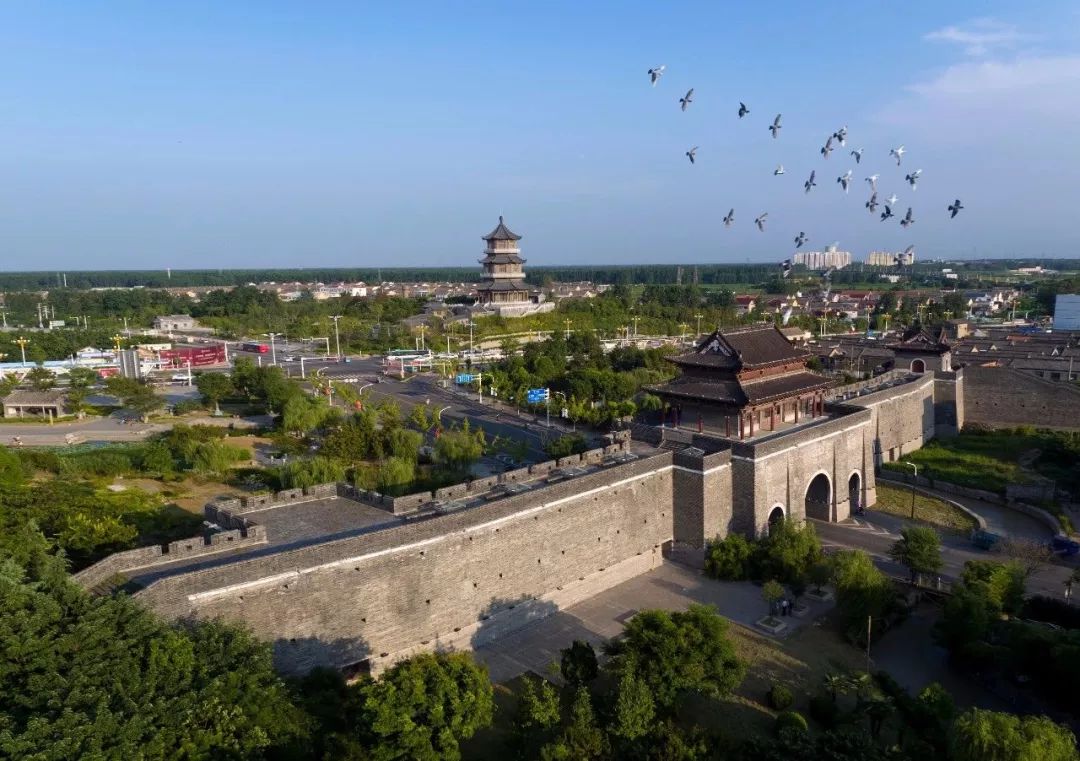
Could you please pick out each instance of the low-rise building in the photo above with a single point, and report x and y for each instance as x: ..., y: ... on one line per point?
x: 175, y: 322
x: 47, y: 404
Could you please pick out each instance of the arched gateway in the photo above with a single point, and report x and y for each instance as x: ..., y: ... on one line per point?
x: 819, y: 498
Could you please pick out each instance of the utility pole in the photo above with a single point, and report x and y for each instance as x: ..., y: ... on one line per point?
x: 117, y: 338
x: 422, y: 345
x: 635, y: 326
x: 337, y: 335
x: 470, y: 339
x: 273, y: 347
x: 566, y: 335
x: 126, y: 331
x: 3, y: 315
x: 698, y: 316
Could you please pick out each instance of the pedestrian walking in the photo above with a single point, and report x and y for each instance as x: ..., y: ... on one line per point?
x: 1068, y: 590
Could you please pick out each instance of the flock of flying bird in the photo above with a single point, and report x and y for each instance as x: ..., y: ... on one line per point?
x: 845, y: 180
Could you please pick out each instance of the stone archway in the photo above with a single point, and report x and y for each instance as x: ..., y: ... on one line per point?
x: 776, y: 516
x: 819, y: 498
x: 854, y: 488
x: 918, y: 366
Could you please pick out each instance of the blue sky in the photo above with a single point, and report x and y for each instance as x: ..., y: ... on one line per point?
x: 332, y: 134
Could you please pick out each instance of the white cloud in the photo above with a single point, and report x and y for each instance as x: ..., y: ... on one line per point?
x: 980, y: 36
x: 988, y: 79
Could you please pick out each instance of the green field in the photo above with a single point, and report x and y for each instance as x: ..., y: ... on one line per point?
x: 992, y: 460
x: 896, y: 500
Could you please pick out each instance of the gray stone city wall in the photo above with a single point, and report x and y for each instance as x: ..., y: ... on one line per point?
x: 701, y: 489
x: 902, y: 417
x: 948, y: 403
x: 142, y: 557
x: 422, y: 584
x: 778, y: 471
x: 999, y: 397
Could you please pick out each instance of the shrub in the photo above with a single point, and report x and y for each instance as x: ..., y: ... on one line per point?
x: 790, y: 720
x: 780, y: 697
x: 1041, y: 608
x: 824, y: 711
x: 729, y: 559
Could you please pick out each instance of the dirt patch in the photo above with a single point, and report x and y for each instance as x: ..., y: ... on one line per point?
x: 188, y: 495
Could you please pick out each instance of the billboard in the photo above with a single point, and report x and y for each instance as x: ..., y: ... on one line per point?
x: 198, y: 356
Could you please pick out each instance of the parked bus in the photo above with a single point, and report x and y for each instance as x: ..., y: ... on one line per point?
x: 399, y: 355
x: 257, y: 348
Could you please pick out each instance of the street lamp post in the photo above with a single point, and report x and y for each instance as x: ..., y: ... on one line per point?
x: 915, y: 468
x: 698, y: 316
x: 273, y: 347
x: 337, y: 335
x: 22, y: 342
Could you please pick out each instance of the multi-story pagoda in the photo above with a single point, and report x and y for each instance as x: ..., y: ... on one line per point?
x: 503, y: 280
x: 743, y: 382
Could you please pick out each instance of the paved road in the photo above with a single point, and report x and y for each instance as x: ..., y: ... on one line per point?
x: 496, y: 418
x: 875, y: 533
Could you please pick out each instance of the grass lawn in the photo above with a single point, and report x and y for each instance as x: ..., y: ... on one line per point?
x: 896, y: 500
x: 800, y: 662
x: 991, y: 460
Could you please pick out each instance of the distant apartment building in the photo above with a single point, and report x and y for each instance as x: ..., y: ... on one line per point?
x: 830, y: 258
x: 890, y: 258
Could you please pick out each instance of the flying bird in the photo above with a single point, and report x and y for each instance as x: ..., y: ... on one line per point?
x: 891, y: 200
x: 909, y: 252
x: 897, y: 152
x: 785, y: 268
x: 779, y: 170
x: 655, y: 74
x: 810, y: 182
x: 954, y: 209
x: 908, y: 218
x: 760, y: 221
x: 690, y: 154
x: 845, y: 180
x: 729, y: 218
x: 774, y: 128
x: 872, y: 179
x: 687, y: 99
x: 841, y: 136
x: 887, y: 213
x: 858, y: 155
x: 743, y: 110
x: 913, y: 178
x: 872, y: 204
x: 827, y: 148
x: 800, y: 239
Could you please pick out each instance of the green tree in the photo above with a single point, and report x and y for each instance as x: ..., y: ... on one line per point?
x: 861, y: 591
x: 578, y: 664
x: 403, y: 443
x: 582, y: 738
x: 918, y: 549
x: 772, y: 592
x: 310, y: 471
x: 537, y: 717
x: 980, y: 735
x: 634, y: 707
x: 214, y: 387
x: 303, y: 414
x: 458, y: 450
x: 137, y: 396
x: 133, y: 686
x: 395, y: 474
x: 422, y: 708
x: 788, y: 552
x: 82, y: 377
x: 420, y: 418
x: 41, y: 378
x: 820, y: 574
x: 728, y: 559
x: 685, y: 651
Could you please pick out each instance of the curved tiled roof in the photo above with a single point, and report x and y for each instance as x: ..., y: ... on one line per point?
x: 741, y: 348
x: 501, y: 232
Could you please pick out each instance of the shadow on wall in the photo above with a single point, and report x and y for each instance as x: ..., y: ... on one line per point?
x: 503, y: 615
x: 297, y: 656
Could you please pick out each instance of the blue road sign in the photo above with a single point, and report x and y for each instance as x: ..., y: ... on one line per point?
x: 463, y: 378
x: 536, y: 395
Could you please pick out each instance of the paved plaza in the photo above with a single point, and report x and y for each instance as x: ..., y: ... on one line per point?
x: 670, y: 587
